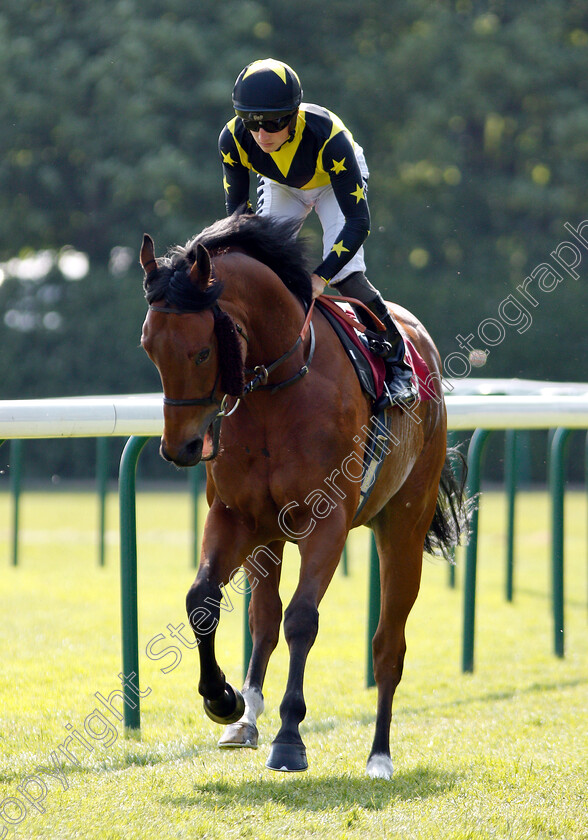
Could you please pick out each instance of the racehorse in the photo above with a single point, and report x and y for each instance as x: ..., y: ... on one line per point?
x: 229, y: 330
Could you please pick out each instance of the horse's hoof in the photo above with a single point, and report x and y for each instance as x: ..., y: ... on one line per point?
x: 240, y: 735
x: 227, y: 709
x: 379, y: 766
x: 290, y: 758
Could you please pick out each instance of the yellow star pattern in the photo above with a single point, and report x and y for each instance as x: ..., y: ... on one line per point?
x: 268, y: 64
x: 338, y: 166
x: 228, y: 159
x: 226, y: 185
x: 359, y: 193
x: 338, y: 248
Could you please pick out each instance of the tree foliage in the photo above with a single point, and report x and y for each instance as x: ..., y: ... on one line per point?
x: 473, y: 116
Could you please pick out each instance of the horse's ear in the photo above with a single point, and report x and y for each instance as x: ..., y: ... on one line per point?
x: 200, y: 272
x: 147, y: 256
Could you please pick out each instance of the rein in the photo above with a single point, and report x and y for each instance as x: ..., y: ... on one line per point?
x: 261, y: 373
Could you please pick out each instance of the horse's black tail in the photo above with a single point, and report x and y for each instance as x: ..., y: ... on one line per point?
x: 453, y: 512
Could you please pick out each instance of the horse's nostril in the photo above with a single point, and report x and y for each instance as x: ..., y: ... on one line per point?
x: 191, y: 452
x: 188, y: 454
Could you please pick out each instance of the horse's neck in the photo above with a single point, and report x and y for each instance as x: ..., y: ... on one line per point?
x: 270, y: 314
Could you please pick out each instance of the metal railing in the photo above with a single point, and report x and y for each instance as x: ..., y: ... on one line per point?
x: 141, y: 417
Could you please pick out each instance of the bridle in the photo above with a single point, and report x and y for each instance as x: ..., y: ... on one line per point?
x: 260, y: 373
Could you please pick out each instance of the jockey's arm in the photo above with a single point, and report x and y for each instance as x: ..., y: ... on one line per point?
x: 350, y: 190
x: 235, y: 175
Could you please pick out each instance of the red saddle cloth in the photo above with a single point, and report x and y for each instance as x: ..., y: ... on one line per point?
x: 344, y: 313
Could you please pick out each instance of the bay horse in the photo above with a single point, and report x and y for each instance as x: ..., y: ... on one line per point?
x: 228, y: 330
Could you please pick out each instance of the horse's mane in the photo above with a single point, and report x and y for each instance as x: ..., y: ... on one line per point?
x: 271, y: 241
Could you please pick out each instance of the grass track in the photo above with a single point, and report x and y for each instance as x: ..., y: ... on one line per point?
x: 497, y: 754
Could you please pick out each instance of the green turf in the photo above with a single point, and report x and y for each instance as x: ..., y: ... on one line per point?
x: 501, y: 753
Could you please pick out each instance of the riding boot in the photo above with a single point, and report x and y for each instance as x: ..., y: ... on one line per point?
x: 398, y: 385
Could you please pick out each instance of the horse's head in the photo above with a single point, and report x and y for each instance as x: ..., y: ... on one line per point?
x: 194, y: 346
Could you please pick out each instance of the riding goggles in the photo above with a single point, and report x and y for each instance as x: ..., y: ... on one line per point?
x: 253, y: 122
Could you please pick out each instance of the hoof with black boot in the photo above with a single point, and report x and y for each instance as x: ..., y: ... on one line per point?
x: 289, y: 758
x: 229, y: 707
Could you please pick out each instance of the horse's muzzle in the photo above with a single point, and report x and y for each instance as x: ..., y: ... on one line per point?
x: 187, y: 456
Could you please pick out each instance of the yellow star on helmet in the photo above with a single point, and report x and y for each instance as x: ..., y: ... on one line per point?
x: 359, y: 193
x: 228, y: 159
x: 226, y: 185
x: 338, y: 166
x: 267, y: 64
x: 338, y: 248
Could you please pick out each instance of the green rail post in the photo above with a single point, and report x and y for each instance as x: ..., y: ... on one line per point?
x: 557, y: 490
x: 102, y: 451
x: 345, y: 562
x: 475, y: 452
x: 373, y: 609
x: 128, y: 580
x: 510, y: 480
x: 247, y: 640
x: 15, y: 488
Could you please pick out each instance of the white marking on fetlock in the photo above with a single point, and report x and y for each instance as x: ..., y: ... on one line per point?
x: 379, y: 767
x: 254, y: 705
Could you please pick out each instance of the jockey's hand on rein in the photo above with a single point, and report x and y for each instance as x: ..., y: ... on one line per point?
x: 318, y: 285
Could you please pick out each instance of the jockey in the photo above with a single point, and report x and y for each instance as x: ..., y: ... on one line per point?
x: 305, y: 158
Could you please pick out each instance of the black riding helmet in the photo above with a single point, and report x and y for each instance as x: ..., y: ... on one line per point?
x: 266, y: 90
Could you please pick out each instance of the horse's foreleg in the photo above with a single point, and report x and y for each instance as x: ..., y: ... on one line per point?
x: 222, y: 703
x: 224, y: 548
x: 320, y: 554
x: 265, y: 615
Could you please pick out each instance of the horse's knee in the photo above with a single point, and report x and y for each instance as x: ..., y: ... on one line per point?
x: 203, y: 607
x: 301, y: 622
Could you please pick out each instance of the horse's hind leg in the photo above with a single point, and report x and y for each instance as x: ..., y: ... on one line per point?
x: 399, y: 539
x: 265, y: 615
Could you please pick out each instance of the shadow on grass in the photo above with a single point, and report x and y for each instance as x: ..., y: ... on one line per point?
x: 418, y: 783
x: 319, y: 794
x: 105, y: 762
x: 489, y: 697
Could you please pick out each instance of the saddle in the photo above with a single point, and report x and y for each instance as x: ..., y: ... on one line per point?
x: 369, y: 368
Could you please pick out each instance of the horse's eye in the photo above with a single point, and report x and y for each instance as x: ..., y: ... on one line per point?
x: 202, y: 356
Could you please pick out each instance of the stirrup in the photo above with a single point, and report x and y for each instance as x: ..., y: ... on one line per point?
x: 406, y: 396
x: 380, y: 347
